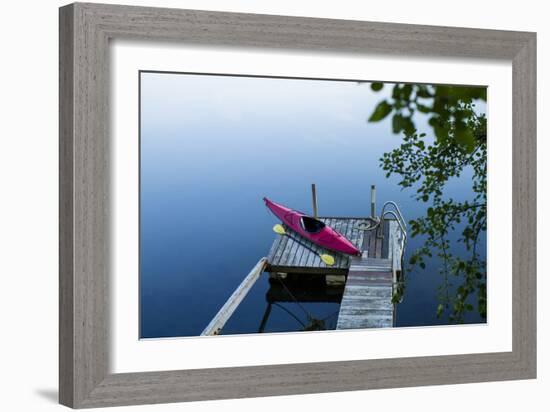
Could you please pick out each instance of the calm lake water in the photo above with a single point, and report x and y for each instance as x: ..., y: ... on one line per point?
x: 212, y: 147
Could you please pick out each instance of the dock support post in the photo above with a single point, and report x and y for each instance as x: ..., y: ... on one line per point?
x: 373, y: 201
x: 265, y: 317
x: 314, y: 199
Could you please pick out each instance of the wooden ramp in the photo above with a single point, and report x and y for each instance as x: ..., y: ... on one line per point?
x: 366, y: 302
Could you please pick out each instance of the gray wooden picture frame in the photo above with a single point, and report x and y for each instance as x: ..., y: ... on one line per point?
x: 85, y: 31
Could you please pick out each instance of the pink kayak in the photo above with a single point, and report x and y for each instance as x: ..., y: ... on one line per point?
x: 312, y: 229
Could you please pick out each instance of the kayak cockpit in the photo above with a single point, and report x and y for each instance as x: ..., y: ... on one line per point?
x: 311, y: 225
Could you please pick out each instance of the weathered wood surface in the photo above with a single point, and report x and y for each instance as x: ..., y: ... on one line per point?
x: 289, y: 256
x: 395, y: 248
x: 217, y: 323
x: 366, y: 302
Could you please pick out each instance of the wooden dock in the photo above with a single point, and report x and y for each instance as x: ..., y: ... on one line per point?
x: 288, y: 256
x: 369, y: 279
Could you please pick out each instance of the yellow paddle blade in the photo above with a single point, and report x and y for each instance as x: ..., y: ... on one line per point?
x: 329, y: 260
x: 279, y: 229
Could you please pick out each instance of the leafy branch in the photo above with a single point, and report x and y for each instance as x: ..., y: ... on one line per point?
x: 444, y: 105
x: 426, y: 165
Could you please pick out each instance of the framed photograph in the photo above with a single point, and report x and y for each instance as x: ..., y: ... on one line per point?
x: 258, y: 205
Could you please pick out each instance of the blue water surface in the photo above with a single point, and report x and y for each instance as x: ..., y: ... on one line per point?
x: 212, y: 147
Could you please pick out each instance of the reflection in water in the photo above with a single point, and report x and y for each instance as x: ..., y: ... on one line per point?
x: 290, y: 292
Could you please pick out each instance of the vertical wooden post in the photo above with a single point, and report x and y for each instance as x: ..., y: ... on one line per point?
x: 314, y: 199
x: 373, y: 201
x: 265, y: 318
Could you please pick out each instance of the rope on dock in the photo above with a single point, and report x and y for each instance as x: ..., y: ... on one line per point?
x: 363, y: 226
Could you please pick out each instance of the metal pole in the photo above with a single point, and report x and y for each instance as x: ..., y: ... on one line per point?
x: 373, y: 201
x: 314, y: 199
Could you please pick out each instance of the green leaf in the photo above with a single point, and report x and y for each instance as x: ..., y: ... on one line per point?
x: 423, y: 92
x: 402, y: 123
x: 439, y: 310
x: 381, y: 111
x: 397, y: 123
x: 408, y: 125
x: 423, y: 109
x: 465, y: 138
x: 442, y: 133
x: 376, y: 86
x: 396, y: 92
x: 406, y: 92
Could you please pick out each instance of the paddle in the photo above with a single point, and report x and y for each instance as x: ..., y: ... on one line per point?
x: 280, y: 230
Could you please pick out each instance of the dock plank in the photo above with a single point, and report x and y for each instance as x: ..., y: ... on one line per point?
x: 282, y: 241
x: 366, y: 302
x: 304, y: 257
x: 284, y: 244
x: 379, y: 242
x: 274, y: 248
x: 294, y: 251
x: 317, y: 262
x: 372, y: 244
x: 356, y: 235
x: 288, y: 248
x: 366, y: 238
